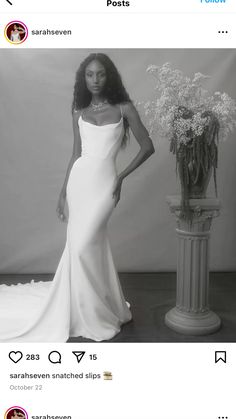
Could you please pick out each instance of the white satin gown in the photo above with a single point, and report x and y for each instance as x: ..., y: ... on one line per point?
x: 15, y: 37
x: 85, y: 296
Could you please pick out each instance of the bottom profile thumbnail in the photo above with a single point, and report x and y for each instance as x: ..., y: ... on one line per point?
x: 16, y: 412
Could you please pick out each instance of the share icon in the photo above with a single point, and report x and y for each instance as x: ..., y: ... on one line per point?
x: 79, y: 355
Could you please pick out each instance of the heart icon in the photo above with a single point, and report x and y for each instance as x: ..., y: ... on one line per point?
x: 15, y: 356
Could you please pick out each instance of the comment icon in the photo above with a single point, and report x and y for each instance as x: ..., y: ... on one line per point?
x: 54, y: 357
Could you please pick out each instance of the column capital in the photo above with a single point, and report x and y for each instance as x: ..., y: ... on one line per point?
x: 203, y: 210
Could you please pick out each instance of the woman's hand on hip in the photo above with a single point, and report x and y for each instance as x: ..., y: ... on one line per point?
x: 117, y: 190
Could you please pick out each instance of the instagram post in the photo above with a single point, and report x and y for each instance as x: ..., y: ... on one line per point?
x: 117, y: 220
x: 50, y: 174
x: 117, y: 226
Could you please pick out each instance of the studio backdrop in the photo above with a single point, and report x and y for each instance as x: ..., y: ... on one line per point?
x: 36, y: 139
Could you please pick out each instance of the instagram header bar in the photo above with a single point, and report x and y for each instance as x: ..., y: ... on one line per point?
x: 116, y: 6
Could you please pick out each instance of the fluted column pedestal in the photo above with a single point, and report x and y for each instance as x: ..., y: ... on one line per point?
x: 192, y: 315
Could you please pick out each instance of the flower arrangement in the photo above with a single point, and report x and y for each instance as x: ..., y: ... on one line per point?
x: 193, y: 120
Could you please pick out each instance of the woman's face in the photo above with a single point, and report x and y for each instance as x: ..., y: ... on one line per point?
x: 15, y: 27
x: 95, y: 77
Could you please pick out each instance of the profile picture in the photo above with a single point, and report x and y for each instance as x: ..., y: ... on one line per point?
x: 16, y: 412
x: 16, y: 32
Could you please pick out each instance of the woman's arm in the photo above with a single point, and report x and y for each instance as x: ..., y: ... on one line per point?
x: 142, y: 136
x: 146, y: 145
x: 76, y: 150
x: 75, y: 155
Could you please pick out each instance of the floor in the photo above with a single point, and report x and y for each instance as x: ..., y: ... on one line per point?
x: 151, y: 295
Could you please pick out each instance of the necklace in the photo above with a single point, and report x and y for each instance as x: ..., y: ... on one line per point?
x: 97, y: 106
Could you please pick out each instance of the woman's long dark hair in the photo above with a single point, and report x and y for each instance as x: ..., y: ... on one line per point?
x: 114, y: 90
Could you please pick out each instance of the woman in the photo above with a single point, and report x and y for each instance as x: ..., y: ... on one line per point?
x: 85, y: 297
x: 17, y: 415
x: 15, y: 33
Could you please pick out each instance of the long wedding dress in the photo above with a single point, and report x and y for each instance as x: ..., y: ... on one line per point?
x: 85, y: 296
x: 15, y: 37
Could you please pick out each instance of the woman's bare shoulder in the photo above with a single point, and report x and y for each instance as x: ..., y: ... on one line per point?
x: 76, y: 114
x: 77, y: 111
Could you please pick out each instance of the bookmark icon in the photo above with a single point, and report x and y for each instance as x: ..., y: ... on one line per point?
x: 220, y: 356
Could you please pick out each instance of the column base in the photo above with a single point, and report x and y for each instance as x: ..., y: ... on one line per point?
x: 192, y: 323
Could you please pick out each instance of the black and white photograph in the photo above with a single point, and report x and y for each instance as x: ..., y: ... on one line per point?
x: 118, y: 204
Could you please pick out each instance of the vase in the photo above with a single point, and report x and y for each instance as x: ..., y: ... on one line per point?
x: 194, y: 184
x: 197, y: 157
x: 197, y: 186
